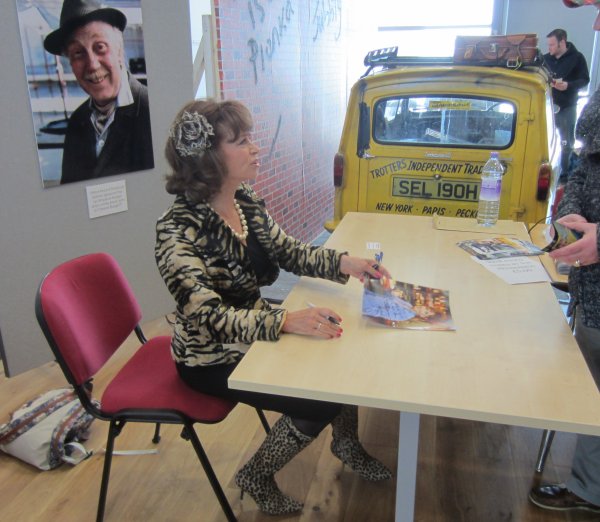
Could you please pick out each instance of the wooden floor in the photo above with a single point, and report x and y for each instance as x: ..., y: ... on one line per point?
x: 468, y: 471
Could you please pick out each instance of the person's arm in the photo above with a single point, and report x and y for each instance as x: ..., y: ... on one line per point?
x: 572, y: 201
x: 584, y: 251
x: 326, y: 263
x: 324, y: 322
x: 304, y: 259
x: 579, y: 76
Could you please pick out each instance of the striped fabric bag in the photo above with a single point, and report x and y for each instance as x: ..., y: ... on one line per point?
x: 48, y: 430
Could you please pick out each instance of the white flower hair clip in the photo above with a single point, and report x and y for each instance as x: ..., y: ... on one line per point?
x: 191, y: 134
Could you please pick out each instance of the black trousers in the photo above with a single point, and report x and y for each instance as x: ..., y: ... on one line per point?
x: 309, y: 416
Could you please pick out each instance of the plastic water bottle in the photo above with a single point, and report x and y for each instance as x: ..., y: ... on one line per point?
x: 489, y: 193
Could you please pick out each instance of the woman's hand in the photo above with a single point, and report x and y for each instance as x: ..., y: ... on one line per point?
x: 360, y: 267
x: 582, y: 252
x: 571, y: 218
x: 313, y: 321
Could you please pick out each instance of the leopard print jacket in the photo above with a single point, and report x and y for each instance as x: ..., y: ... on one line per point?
x: 582, y: 196
x: 207, y: 270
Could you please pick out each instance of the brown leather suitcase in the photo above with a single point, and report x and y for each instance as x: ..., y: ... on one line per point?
x: 509, y: 50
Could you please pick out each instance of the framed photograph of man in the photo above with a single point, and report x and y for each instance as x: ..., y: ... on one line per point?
x: 86, y: 73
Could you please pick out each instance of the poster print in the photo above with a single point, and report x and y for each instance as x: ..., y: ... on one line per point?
x: 86, y: 74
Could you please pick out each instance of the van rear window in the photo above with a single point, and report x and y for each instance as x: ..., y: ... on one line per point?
x: 445, y: 121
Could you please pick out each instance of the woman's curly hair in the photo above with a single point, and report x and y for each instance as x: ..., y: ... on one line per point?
x: 200, y: 176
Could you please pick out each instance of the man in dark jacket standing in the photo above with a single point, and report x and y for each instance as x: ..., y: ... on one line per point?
x: 570, y: 75
x: 109, y: 133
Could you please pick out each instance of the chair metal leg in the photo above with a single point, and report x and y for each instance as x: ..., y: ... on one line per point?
x: 263, y: 420
x: 156, y: 438
x: 212, y: 478
x: 113, y: 432
x: 545, y: 444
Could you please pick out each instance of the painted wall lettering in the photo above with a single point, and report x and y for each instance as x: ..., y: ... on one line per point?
x: 259, y: 50
x: 256, y: 5
x: 274, y: 140
x: 326, y: 13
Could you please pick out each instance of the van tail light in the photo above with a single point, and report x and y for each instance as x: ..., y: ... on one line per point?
x: 543, y: 182
x: 338, y: 170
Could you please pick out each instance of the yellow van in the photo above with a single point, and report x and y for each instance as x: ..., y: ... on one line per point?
x: 419, y: 130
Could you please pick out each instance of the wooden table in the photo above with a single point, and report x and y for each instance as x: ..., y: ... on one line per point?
x: 512, y: 359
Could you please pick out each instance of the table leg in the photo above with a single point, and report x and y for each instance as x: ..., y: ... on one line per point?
x: 408, y: 447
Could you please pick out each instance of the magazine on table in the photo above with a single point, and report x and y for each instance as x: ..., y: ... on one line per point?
x: 498, y: 247
x: 405, y: 305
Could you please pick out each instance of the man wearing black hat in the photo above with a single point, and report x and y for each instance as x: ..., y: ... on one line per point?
x: 109, y: 133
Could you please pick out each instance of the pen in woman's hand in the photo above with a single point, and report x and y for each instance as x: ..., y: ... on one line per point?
x: 375, y: 266
x: 330, y: 318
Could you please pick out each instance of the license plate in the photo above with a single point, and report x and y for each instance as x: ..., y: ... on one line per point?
x: 429, y: 188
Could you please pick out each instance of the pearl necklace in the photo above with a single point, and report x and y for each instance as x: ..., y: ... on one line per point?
x: 243, y: 222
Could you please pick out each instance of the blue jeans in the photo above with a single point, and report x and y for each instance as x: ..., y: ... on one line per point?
x: 565, y: 123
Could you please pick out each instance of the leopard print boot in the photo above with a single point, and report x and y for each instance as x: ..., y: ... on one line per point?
x: 256, y: 477
x: 346, y: 447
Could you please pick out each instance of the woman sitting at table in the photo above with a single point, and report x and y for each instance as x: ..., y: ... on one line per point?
x: 215, y: 247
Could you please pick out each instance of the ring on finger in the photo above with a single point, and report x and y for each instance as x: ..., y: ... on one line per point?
x: 577, y: 263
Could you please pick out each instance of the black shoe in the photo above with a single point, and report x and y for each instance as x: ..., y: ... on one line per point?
x: 559, y: 498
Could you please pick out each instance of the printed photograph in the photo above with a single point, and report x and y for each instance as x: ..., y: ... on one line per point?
x: 404, y: 305
x: 86, y: 74
x: 499, y: 247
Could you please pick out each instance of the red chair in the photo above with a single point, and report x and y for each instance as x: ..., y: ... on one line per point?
x: 86, y: 309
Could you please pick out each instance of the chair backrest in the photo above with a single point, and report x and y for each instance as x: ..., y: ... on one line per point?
x: 86, y: 309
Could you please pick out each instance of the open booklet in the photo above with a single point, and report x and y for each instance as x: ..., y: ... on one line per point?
x: 404, y: 305
x: 498, y: 247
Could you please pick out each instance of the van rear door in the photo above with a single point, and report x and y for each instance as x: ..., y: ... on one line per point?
x: 427, y: 150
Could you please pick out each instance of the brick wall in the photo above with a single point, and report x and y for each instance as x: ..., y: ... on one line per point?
x: 286, y: 60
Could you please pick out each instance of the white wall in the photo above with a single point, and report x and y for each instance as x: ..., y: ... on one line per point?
x: 43, y: 227
x: 198, y: 8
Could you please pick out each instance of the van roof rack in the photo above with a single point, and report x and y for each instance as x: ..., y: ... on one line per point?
x: 388, y: 58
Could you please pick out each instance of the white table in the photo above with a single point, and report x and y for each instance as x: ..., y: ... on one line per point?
x: 512, y: 359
